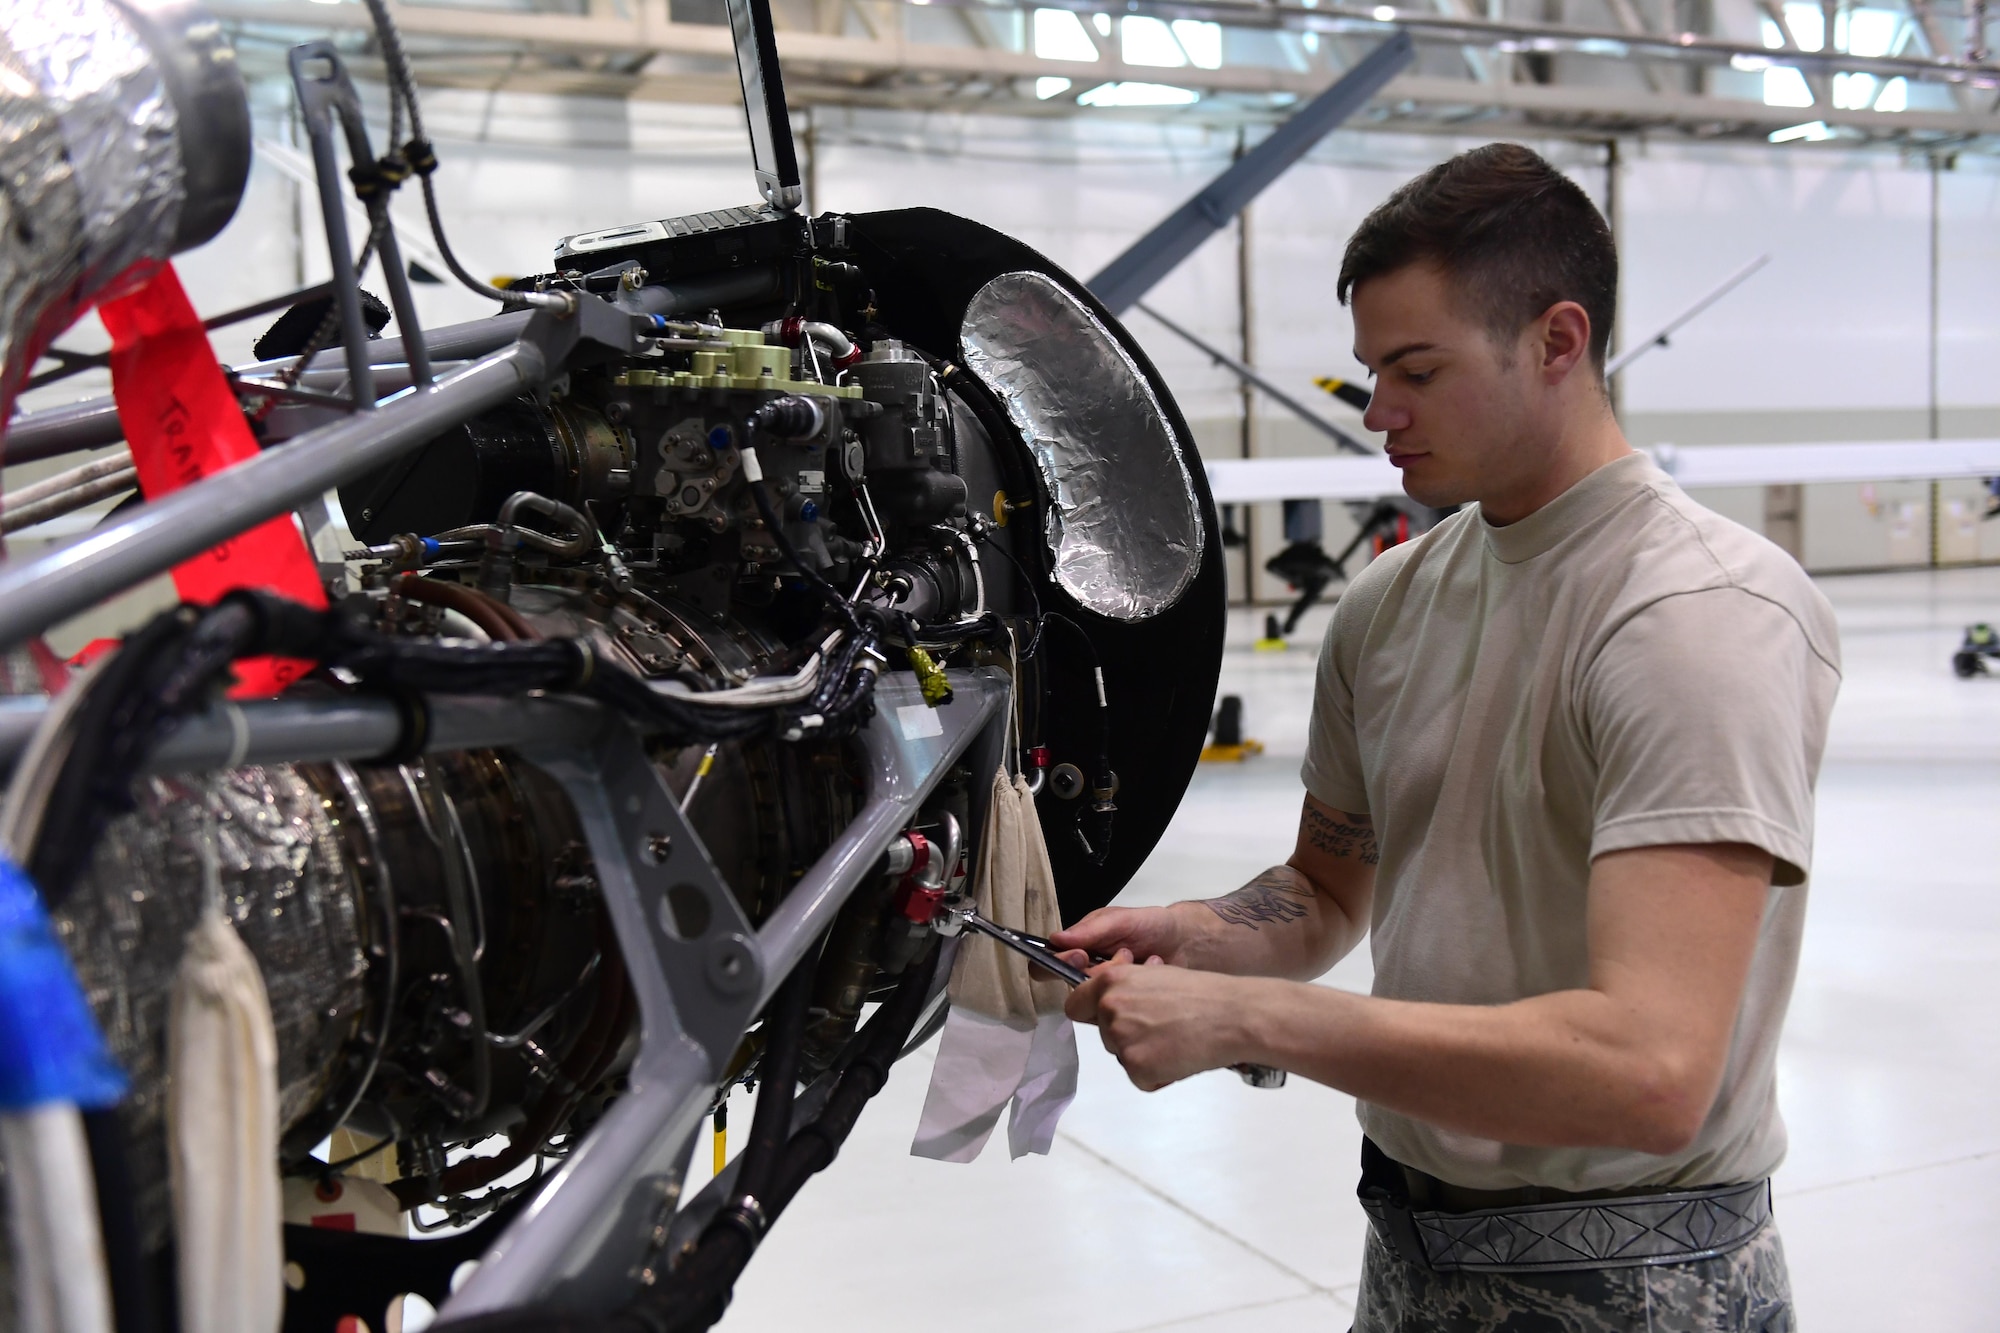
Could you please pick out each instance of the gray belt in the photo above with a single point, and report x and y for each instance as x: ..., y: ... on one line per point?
x: 1671, y: 1227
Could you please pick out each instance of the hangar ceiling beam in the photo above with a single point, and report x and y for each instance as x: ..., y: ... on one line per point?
x: 1132, y: 274
x: 544, y: 51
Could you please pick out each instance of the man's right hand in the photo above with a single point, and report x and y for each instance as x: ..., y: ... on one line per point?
x: 1148, y: 932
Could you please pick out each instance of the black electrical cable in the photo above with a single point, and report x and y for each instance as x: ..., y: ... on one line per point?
x: 1027, y: 586
x: 1101, y: 810
x: 848, y: 682
x: 134, y: 700
x: 696, y: 1293
x: 760, y: 495
x: 813, y: 1148
x: 174, y: 665
x: 135, y: 1295
x: 418, y: 155
x: 771, y: 1124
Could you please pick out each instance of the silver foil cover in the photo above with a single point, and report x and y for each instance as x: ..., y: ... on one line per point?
x: 91, y: 183
x: 1124, y: 524
x: 286, y: 888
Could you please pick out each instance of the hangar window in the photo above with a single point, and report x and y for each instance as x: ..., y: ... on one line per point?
x: 1138, y: 94
x: 1854, y: 92
x: 1861, y: 32
x: 1202, y: 41
x: 1149, y: 41
x: 1785, y: 86
x: 1059, y: 35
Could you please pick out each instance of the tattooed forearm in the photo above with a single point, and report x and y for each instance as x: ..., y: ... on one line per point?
x: 1275, y: 896
x: 1343, y: 835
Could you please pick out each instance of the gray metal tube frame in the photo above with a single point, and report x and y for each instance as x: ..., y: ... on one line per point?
x: 361, y: 728
x: 310, y: 90
x: 93, y: 423
x: 44, y: 591
x: 585, y: 1242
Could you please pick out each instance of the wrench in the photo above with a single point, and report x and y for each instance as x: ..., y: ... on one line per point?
x: 954, y: 917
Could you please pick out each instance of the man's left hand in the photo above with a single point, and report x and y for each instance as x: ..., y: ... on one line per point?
x: 1162, y: 1022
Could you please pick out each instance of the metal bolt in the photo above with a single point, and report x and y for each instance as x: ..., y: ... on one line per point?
x: 658, y: 845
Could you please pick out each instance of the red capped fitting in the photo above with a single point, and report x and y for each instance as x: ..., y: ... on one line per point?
x: 909, y: 854
x: 837, y: 346
x: 919, y: 903
x: 1038, y: 757
x: 922, y: 886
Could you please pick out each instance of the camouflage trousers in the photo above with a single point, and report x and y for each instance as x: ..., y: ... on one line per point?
x: 1744, y: 1291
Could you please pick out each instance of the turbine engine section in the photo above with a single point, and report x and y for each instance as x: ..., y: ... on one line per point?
x: 430, y: 936
x: 461, y: 478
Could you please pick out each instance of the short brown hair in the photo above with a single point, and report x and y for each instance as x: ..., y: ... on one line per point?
x: 1514, y: 235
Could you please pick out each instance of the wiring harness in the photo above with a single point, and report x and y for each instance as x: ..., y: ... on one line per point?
x: 78, y: 772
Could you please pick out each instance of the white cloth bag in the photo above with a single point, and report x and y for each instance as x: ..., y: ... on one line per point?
x: 222, y: 1126
x: 1006, y: 1040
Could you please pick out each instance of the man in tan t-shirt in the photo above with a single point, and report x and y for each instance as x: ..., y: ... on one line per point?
x: 1561, y: 771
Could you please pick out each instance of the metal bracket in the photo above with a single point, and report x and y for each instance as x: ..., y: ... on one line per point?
x: 668, y: 902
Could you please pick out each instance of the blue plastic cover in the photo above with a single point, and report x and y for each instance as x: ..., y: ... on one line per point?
x: 50, y: 1048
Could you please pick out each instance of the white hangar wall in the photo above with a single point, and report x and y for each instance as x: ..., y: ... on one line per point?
x: 1875, y: 319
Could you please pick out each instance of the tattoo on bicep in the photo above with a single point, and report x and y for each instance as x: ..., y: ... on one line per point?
x: 1274, y: 897
x: 1343, y: 835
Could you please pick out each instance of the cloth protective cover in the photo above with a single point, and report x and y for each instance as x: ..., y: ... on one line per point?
x: 1006, y: 1040
x: 222, y: 1125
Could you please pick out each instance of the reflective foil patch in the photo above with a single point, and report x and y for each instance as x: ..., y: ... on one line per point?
x: 1124, y: 527
x: 91, y: 182
x: 288, y: 891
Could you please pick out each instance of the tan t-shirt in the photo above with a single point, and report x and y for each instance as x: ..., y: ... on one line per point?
x: 1622, y: 668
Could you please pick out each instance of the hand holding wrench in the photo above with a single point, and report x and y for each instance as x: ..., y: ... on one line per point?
x: 954, y: 916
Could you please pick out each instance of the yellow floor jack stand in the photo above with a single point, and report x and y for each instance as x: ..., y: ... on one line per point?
x: 1230, y: 745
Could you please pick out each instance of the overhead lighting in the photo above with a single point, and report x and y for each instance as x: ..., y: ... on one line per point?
x: 1817, y: 131
x: 1102, y: 22
x: 1385, y: 14
x: 1138, y: 94
x: 1749, y: 64
x: 1048, y: 86
x: 1895, y: 95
